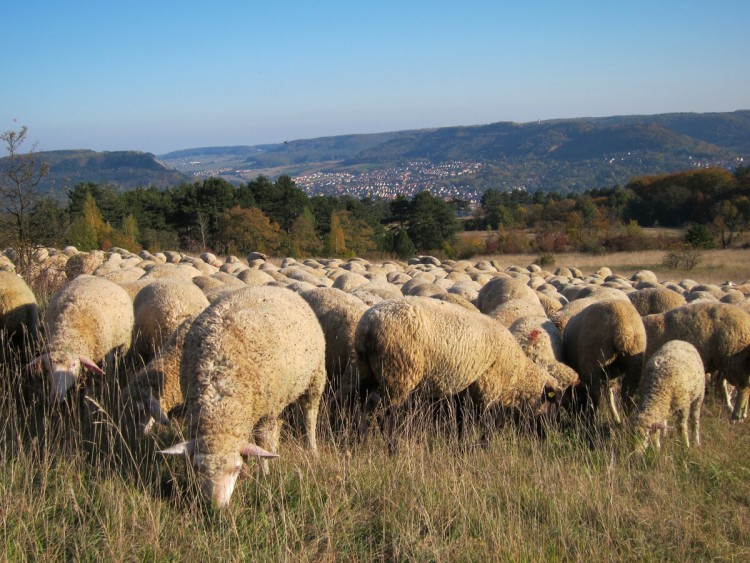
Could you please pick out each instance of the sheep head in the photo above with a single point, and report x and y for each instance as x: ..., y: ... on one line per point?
x: 62, y: 371
x: 218, y: 461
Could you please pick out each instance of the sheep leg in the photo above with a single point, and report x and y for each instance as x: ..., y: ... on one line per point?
x: 740, y: 403
x: 682, y: 421
x: 695, y: 421
x: 611, y: 401
x: 727, y: 394
x: 266, y: 435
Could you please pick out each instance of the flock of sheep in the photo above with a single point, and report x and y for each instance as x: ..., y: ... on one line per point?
x: 226, y: 346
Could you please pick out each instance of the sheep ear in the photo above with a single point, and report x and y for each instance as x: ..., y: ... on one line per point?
x: 155, y: 410
x: 181, y: 448
x: 89, y: 364
x: 658, y: 426
x: 251, y: 450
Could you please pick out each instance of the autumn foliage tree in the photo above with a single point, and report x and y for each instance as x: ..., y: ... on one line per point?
x: 242, y: 230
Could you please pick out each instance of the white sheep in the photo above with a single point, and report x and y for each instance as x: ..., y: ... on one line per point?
x: 604, y: 341
x: 89, y: 322
x: 154, y: 390
x: 245, y: 358
x: 159, y: 308
x: 673, y: 382
x: 19, y: 314
x: 721, y: 334
x: 443, y: 349
x: 338, y: 313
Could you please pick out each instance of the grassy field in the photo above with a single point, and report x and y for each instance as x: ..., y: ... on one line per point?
x: 72, y: 486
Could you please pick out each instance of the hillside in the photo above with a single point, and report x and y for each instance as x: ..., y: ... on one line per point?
x: 127, y: 169
x: 562, y: 154
x: 556, y: 155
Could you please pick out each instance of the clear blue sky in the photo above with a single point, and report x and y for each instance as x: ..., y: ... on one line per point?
x: 163, y: 75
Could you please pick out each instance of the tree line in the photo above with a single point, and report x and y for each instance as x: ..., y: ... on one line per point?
x: 276, y: 217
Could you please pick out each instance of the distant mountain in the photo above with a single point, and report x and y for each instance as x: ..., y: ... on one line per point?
x: 561, y: 154
x: 554, y: 155
x: 126, y: 169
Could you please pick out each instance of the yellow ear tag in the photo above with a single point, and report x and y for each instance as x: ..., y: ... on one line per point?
x: 550, y: 394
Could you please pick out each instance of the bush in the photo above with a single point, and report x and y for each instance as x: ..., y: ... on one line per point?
x: 546, y: 260
x: 698, y: 236
x: 684, y: 259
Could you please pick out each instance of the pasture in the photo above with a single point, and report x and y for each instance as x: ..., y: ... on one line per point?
x: 76, y: 484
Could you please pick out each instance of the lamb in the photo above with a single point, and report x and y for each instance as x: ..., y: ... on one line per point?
x: 19, y: 315
x: 721, y: 334
x: 673, y: 381
x: 443, y: 349
x: 89, y: 323
x: 606, y: 340
x: 245, y: 358
x: 159, y: 309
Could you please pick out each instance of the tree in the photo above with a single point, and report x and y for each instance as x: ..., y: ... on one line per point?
x: 89, y: 231
x: 403, y: 246
x: 20, y: 174
x: 303, y: 239
x: 728, y: 221
x: 336, y: 240
x: 243, y: 230
x: 431, y: 221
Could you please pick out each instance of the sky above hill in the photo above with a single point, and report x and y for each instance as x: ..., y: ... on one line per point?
x: 166, y: 75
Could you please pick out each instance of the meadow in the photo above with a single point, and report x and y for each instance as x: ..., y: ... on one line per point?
x: 74, y: 484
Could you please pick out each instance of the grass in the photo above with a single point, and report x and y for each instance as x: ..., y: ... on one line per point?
x: 76, y: 485
x: 71, y: 487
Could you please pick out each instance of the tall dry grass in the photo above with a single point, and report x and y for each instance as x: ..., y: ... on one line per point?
x: 75, y: 485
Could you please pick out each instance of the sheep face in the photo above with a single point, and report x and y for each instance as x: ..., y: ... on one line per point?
x: 62, y: 371
x: 218, y: 461
x: 218, y: 474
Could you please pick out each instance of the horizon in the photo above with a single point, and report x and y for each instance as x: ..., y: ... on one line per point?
x: 176, y: 76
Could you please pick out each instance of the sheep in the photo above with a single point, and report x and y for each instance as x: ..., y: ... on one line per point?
x: 605, y: 340
x: 338, y: 313
x: 245, y: 358
x: 159, y: 308
x: 542, y: 342
x: 655, y: 300
x: 155, y: 390
x: 509, y: 311
x: 443, y: 349
x: 88, y: 322
x: 500, y: 290
x: 673, y: 381
x: 721, y: 334
x: 19, y: 314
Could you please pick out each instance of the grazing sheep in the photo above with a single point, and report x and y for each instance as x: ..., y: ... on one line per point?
x: 245, y: 359
x: 155, y: 389
x: 508, y: 312
x: 159, y: 308
x: 673, y: 381
x: 442, y: 349
x: 338, y: 313
x: 542, y: 342
x: 88, y: 322
x: 19, y: 315
x: 655, y: 300
x: 606, y: 340
x: 721, y: 334
x: 500, y: 290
